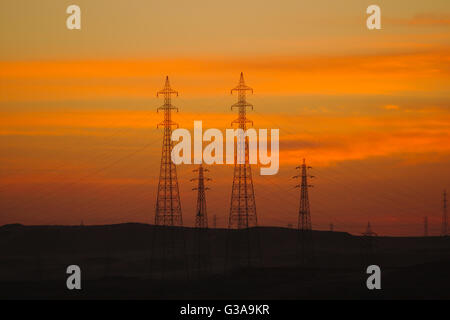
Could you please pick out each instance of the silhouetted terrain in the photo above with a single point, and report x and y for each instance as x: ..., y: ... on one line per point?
x: 127, y: 261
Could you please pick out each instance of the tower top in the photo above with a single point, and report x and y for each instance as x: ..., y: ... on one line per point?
x: 241, y: 86
x: 167, y: 90
x: 369, y: 232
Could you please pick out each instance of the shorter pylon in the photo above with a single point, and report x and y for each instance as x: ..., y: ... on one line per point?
x: 305, y: 244
x: 304, y: 213
x: 368, y: 246
x: 203, y: 253
x: 425, y: 227
x: 201, y: 217
x: 369, y: 232
x: 444, y: 231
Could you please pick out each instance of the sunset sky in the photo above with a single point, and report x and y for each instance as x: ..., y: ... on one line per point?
x: 369, y: 110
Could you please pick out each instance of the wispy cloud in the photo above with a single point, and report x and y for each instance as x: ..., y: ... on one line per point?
x: 423, y: 19
x: 349, y: 74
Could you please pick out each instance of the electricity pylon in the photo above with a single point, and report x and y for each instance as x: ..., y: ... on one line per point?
x: 425, y: 227
x: 243, y: 206
x: 201, y: 217
x: 368, y: 245
x: 444, y: 231
x: 369, y: 232
x: 168, y: 245
x: 304, y: 212
x: 305, y: 245
x: 203, y: 254
x: 168, y: 205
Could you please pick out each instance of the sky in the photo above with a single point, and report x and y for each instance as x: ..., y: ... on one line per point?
x: 368, y: 109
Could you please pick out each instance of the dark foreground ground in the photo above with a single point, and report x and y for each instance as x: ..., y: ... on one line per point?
x: 143, y: 262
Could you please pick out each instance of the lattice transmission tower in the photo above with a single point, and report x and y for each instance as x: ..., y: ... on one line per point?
x: 368, y: 248
x: 201, y: 216
x: 304, y: 212
x: 202, y: 241
x: 243, y: 205
x: 168, y: 254
x: 243, y: 246
x: 305, y: 244
x: 425, y: 227
x: 369, y: 232
x: 168, y: 205
x: 444, y: 231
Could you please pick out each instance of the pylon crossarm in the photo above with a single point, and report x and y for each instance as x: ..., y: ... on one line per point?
x: 166, y: 92
x: 165, y: 108
x: 242, y: 105
x: 166, y: 123
x: 241, y: 121
x: 242, y: 88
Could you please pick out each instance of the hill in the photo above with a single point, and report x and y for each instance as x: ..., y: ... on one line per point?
x: 143, y: 261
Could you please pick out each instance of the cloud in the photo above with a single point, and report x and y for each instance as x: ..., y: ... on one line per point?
x: 281, y: 75
x: 391, y: 107
x: 423, y: 19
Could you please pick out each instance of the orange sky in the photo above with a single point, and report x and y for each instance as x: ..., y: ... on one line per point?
x: 369, y: 110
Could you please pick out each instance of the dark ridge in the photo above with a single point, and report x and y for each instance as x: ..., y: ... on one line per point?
x: 122, y: 261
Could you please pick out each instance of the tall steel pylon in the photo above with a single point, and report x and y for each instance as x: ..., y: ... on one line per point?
x: 243, y: 246
x: 168, y: 205
x: 444, y: 231
x: 305, y: 244
x: 168, y: 245
x: 202, y: 241
x: 243, y: 205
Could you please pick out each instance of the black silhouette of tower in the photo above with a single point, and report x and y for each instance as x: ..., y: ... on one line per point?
x: 369, y: 232
x: 202, y: 241
x: 201, y: 216
x: 243, y: 246
x: 168, y: 205
x: 243, y: 206
x: 368, y: 246
x: 304, y: 213
x: 444, y: 231
x: 305, y: 244
x: 168, y: 254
